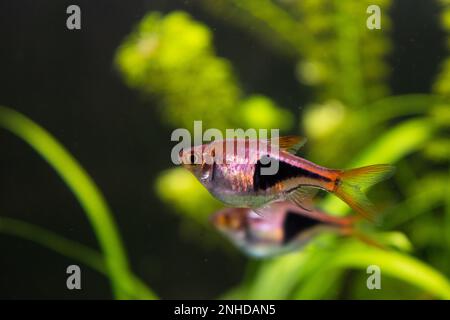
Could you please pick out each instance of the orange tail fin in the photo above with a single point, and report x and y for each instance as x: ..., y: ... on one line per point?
x: 352, y: 182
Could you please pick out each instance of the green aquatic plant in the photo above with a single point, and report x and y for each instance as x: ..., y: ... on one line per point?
x: 350, y: 120
x: 394, y: 145
x: 390, y: 148
x: 87, y: 194
x: 306, y: 274
x: 442, y: 85
x: 337, y: 55
x: 344, y: 64
x: 194, y: 193
x: 172, y: 58
x: 73, y: 250
x: 196, y: 85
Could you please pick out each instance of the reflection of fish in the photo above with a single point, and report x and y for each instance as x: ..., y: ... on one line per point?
x: 286, y: 228
x: 232, y: 171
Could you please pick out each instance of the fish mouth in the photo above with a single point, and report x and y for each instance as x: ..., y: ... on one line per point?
x: 180, y: 157
x: 217, y: 220
x: 183, y: 162
x: 220, y: 219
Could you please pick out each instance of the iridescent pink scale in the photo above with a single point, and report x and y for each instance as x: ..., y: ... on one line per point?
x: 235, y: 176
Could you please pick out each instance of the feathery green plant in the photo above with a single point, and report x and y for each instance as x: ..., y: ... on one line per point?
x: 171, y: 58
x: 344, y: 63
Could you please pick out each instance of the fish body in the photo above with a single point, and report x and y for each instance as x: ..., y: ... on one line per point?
x: 238, y: 180
x: 233, y: 172
x: 286, y: 228
x: 243, y: 184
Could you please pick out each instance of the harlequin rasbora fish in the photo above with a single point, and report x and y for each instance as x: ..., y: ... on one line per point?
x: 232, y: 172
x: 285, y: 228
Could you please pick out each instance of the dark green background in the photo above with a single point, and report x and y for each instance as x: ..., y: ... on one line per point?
x: 66, y: 81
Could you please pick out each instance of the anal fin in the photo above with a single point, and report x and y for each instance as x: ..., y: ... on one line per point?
x: 263, y: 211
x: 303, y: 197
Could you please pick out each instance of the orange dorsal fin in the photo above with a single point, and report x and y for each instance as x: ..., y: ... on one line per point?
x: 290, y: 144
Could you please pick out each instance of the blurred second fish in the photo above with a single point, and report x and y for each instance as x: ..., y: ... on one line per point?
x: 285, y: 228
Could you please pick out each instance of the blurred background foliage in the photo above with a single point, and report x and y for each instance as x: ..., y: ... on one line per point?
x: 350, y: 119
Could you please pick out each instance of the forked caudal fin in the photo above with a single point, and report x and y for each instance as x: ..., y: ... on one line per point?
x: 354, y: 181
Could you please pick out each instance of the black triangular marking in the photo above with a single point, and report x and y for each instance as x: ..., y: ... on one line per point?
x: 296, y: 223
x: 285, y: 171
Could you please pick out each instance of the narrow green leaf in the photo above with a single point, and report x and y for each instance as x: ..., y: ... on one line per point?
x: 68, y: 248
x: 83, y: 188
x: 394, y: 145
